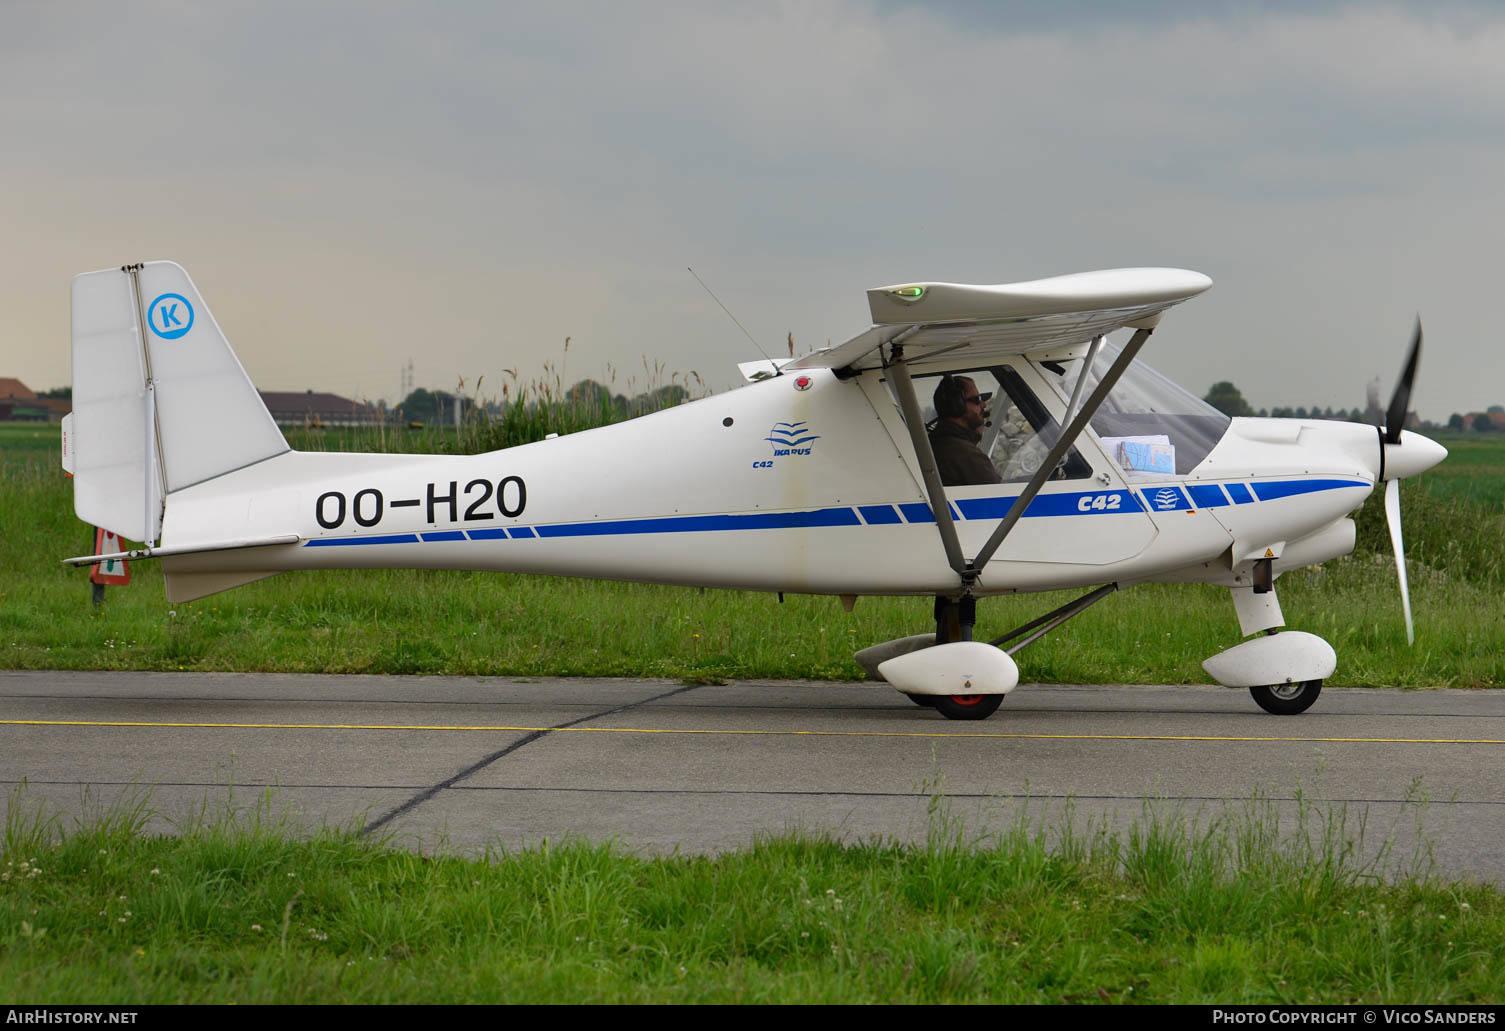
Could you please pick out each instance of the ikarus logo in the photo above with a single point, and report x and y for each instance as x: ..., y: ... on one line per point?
x: 790, y: 438
x: 1166, y: 498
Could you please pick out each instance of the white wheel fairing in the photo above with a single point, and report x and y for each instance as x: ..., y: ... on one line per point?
x: 959, y: 668
x: 1289, y: 657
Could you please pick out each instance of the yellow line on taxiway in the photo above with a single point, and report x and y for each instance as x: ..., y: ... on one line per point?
x: 999, y: 735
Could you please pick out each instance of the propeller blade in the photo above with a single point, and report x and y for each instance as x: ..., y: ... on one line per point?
x: 1400, y: 401
x: 1392, y: 517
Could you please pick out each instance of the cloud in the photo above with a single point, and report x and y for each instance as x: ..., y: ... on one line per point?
x: 469, y: 183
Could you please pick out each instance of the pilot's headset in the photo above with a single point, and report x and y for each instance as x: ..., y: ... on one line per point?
x: 949, y: 398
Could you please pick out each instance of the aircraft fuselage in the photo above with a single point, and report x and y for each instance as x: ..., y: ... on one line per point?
x: 803, y: 484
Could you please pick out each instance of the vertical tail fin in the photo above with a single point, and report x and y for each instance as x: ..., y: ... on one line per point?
x: 160, y: 401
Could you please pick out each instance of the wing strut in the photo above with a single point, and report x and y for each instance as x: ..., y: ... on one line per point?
x: 929, y: 471
x: 1068, y: 437
x: 1081, y: 381
x: 1052, y: 619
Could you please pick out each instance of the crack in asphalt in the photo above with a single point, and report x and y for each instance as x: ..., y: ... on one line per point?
x: 527, y: 739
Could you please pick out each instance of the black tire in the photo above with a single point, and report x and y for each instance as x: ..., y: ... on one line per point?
x: 1287, y: 699
x: 967, y: 706
x: 925, y: 700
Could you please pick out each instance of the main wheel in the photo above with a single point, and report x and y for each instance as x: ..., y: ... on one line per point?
x: 967, y: 706
x: 1287, y: 699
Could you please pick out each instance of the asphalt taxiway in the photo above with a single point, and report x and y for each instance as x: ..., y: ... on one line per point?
x: 464, y: 763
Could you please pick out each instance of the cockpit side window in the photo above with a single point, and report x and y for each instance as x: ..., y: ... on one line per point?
x: 1018, y: 431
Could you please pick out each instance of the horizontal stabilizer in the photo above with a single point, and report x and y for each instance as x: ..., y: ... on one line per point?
x: 185, y: 549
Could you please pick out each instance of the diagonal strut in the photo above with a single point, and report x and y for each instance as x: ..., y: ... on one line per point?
x: 929, y: 471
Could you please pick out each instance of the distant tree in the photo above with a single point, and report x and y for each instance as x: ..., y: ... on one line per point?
x: 1225, y: 397
x: 65, y: 393
x: 593, y: 396
x: 1264, y: 413
x: 1455, y: 421
x: 422, y: 405
x: 589, y: 395
x: 1496, y: 409
x: 1483, y: 423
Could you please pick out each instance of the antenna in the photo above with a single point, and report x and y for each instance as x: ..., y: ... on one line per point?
x: 776, y: 370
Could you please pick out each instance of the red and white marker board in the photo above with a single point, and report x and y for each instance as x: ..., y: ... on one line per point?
x: 112, y: 571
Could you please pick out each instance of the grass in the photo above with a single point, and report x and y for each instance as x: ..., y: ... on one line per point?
x: 1474, y: 471
x: 1236, y: 908
x: 417, y: 621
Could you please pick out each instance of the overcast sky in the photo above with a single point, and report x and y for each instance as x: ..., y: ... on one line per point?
x: 466, y: 184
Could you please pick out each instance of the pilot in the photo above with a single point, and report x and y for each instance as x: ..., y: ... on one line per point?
x: 960, y: 415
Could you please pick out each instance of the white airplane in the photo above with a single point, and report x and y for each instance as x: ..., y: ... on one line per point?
x: 818, y: 476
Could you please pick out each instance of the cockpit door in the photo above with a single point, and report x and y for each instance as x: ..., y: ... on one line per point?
x: 1086, y: 516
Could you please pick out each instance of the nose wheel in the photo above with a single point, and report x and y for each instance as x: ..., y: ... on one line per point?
x: 1287, y: 699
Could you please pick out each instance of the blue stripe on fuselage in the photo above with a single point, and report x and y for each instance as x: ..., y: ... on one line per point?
x: 1207, y: 495
x: 1075, y: 503
x: 1275, y: 489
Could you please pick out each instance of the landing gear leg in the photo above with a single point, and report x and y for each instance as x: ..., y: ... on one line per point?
x: 954, y: 618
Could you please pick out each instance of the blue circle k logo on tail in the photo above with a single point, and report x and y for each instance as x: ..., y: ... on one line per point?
x: 170, y: 316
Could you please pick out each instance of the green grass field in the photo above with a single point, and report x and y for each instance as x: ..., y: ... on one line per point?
x: 496, y: 624
x: 1239, y: 909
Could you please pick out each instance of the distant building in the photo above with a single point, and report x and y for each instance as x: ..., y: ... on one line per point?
x: 315, y: 409
x: 19, y: 403
x: 1497, y: 420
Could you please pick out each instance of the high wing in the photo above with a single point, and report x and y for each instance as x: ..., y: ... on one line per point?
x: 935, y: 319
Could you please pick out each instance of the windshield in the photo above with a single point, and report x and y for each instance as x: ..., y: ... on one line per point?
x: 1148, y: 424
